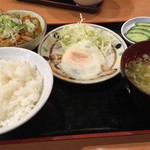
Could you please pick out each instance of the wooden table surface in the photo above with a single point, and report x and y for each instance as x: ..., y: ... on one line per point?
x: 110, y: 11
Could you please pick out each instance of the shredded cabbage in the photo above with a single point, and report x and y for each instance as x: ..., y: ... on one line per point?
x: 72, y: 34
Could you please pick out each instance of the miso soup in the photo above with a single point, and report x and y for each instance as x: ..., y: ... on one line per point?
x: 138, y: 72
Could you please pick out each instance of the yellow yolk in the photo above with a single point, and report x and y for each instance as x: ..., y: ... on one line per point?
x: 79, y: 57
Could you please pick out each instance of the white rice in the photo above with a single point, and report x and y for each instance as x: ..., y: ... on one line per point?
x: 21, y: 85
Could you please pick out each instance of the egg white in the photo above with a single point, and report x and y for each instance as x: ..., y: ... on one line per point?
x: 83, y: 61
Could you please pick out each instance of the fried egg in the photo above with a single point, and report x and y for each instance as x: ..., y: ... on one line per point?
x: 83, y: 61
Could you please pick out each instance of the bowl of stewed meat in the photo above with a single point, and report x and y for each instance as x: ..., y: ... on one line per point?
x: 21, y: 28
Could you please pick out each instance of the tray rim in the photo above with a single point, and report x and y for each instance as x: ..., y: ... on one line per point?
x: 75, y: 136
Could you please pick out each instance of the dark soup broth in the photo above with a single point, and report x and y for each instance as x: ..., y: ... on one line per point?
x: 138, y: 72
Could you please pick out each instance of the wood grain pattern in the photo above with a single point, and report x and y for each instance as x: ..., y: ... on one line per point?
x: 110, y: 11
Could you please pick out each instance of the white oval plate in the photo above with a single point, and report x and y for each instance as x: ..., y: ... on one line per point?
x: 47, y: 42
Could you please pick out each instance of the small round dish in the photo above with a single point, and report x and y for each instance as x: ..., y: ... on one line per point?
x: 47, y: 44
x: 13, y: 54
x: 131, y: 23
x: 32, y: 32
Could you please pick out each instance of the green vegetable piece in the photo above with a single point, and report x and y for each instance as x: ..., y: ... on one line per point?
x: 142, y: 27
x: 133, y: 30
x: 143, y: 24
x: 137, y: 37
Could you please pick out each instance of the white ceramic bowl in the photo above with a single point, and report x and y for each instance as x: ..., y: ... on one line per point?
x: 35, y: 42
x: 12, y: 53
x: 130, y: 23
x: 87, y: 2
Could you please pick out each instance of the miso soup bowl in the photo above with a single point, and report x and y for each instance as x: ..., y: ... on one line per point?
x: 141, y: 98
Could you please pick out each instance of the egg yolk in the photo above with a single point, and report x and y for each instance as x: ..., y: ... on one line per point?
x: 80, y: 58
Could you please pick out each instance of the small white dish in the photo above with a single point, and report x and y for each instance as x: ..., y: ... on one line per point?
x: 130, y: 23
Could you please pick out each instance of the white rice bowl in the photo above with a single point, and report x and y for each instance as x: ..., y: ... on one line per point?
x: 35, y: 78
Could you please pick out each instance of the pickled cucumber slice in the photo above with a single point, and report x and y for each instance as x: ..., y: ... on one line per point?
x: 137, y: 37
x: 133, y: 30
x: 142, y: 27
x: 143, y: 24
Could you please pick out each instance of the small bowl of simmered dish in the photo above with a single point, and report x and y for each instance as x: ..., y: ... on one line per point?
x: 135, y: 69
x: 21, y: 28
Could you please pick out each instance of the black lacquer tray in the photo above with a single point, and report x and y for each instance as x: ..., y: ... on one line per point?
x: 80, y: 109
